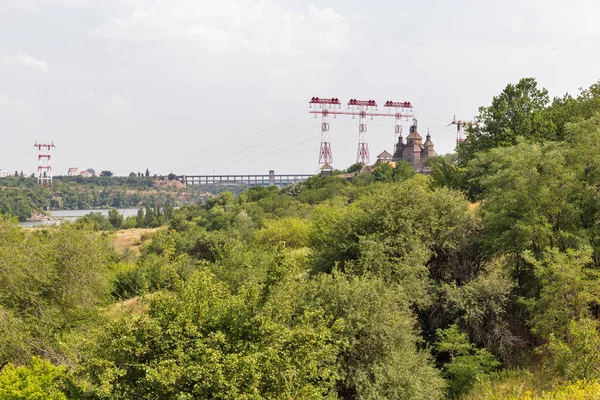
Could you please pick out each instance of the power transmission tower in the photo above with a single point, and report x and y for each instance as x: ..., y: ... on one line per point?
x: 325, y: 107
x: 44, y: 163
x: 460, y: 129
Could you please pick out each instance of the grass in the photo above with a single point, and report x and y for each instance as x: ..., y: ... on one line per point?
x: 132, y: 239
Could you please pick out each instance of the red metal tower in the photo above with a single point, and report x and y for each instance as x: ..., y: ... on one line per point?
x: 363, y: 108
x: 44, y: 163
x: 325, y: 107
x: 400, y: 111
x: 460, y: 129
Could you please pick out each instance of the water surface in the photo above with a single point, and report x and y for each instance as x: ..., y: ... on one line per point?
x: 72, y: 215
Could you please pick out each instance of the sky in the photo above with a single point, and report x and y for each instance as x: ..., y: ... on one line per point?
x: 222, y: 86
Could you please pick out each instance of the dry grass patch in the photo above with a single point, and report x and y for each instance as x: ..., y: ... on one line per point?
x: 132, y: 239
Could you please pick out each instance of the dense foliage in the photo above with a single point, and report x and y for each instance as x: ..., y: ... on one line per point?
x: 23, y: 196
x: 479, y: 281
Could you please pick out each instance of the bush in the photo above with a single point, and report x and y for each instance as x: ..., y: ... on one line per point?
x: 39, y: 380
x: 293, y: 232
x: 467, y: 364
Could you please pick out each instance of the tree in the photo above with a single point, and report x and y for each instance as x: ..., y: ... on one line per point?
x: 39, y: 380
x: 569, y: 290
x: 115, y: 218
x: 52, y: 283
x: 517, y: 111
x: 577, y: 356
x: 446, y: 174
x: 392, y: 233
x: 147, y: 173
x: 106, y: 174
x: 467, y: 363
x: 403, y: 171
x: 383, y: 172
x: 141, y: 218
x: 202, y: 341
x: 354, y: 167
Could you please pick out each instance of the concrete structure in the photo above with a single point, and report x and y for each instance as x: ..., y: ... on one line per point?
x: 271, y: 179
x: 73, y: 172
x: 3, y: 173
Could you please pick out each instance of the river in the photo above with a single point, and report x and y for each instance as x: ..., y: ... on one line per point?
x: 72, y: 215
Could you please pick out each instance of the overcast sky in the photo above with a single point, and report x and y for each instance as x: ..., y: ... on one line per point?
x: 196, y: 86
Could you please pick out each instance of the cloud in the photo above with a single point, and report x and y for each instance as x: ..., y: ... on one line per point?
x: 37, y: 5
x: 17, y: 111
x: 32, y: 62
x: 89, y: 103
x: 254, y: 26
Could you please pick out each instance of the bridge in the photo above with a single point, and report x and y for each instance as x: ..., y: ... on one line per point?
x: 251, y: 180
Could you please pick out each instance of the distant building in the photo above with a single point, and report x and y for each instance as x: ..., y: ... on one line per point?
x: 73, y: 172
x: 414, y: 151
x: 384, y: 157
x: 86, y: 174
x: 327, y: 170
x: 3, y: 173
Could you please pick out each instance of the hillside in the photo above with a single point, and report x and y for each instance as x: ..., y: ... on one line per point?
x: 478, y: 281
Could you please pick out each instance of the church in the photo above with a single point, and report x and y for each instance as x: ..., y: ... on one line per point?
x: 414, y: 151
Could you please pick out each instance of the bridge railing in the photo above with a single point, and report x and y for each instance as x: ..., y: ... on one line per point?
x: 250, y: 180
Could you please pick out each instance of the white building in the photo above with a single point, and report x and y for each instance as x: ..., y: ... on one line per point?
x: 73, y: 172
x: 3, y: 173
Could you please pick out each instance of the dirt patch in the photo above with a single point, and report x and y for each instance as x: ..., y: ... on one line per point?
x: 169, y: 184
x: 127, y: 307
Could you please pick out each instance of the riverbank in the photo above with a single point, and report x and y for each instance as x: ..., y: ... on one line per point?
x: 58, y: 216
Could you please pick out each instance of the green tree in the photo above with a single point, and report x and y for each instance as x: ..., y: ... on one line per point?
x: 517, y: 111
x: 39, y: 380
x: 569, y: 290
x: 577, y: 356
x: 141, y: 218
x: 383, y: 172
x: 446, y: 174
x: 403, y: 171
x: 354, y: 167
x: 392, y: 232
x: 203, y: 342
x: 106, y: 174
x: 467, y: 363
x: 52, y: 283
x: 115, y: 218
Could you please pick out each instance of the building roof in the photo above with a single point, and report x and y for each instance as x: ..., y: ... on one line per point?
x: 428, y: 143
x: 326, y: 166
x: 384, y: 156
x: 414, y: 135
x: 399, y: 149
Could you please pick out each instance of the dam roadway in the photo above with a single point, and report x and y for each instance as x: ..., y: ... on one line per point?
x: 270, y: 179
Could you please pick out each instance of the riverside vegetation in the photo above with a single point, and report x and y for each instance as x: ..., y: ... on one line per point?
x: 22, y: 196
x: 481, y: 281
